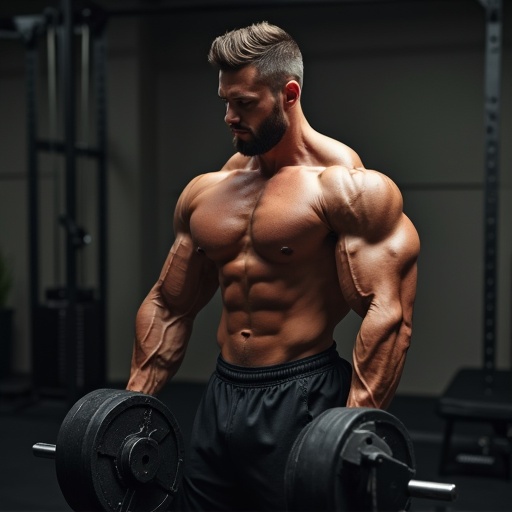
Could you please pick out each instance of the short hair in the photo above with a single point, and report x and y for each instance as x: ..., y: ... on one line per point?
x: 270, y: 49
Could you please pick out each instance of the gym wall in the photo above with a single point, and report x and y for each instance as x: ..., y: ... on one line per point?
x: 399, y: 82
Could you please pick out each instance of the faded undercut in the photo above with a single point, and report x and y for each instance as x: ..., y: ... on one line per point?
x: 269, y: 48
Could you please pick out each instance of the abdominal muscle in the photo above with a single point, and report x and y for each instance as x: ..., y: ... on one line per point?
x: 277, y: 313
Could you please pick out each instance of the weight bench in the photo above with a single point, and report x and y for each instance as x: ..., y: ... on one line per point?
x: 477, y: 396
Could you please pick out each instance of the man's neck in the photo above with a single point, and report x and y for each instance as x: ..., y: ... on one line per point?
x: 292, y: 150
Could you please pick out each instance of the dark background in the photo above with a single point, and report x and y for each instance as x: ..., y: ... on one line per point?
x: 401, y: 82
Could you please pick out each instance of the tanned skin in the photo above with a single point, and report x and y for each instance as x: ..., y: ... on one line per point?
x: 295, y: 237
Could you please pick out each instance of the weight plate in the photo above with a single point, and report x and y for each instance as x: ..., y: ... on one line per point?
x: 68, y: 456
x: 323, y: 473
x: 119, y: 450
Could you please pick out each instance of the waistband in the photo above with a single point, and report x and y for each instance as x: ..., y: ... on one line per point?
x: 278, y: 372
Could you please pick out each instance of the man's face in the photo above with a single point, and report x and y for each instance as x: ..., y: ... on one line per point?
x: 264, y: 137
x: 253, y: 113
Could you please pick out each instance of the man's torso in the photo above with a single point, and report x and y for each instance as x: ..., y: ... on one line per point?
x: 275, y: 253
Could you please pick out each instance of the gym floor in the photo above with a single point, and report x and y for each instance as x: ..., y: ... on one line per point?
x: 29, y: 484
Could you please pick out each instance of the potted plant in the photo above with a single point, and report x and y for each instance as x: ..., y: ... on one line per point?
x: 6, y: 314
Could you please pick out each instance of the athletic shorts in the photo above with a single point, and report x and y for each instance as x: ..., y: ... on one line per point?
x: 245, y: 427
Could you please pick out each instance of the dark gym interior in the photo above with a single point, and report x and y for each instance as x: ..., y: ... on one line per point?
x: 109, y: 108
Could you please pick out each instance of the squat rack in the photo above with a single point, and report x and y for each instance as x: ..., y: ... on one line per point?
x: 74, y: 319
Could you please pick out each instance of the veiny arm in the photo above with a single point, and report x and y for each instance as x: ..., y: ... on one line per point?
x: 163, y: 326
x: 376, y: 254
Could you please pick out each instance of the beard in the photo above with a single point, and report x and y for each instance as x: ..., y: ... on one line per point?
x: 269, y: 133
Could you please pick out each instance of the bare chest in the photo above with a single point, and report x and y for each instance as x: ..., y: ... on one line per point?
x: 277, y: 219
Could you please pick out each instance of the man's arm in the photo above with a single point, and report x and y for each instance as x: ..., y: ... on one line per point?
x: 163, y: 326
x: 376, y: 254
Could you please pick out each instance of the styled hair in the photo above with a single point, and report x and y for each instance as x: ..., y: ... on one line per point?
x: 270, y: 49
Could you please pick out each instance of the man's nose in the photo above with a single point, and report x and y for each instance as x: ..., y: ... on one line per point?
x: 231, y: 116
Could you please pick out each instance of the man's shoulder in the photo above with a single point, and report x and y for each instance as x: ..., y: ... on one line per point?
x: 237, y: 162
x: 338, y: 171
x: 332, y: 152
x: 351, y: 178
x: 194, y: 190
x: 205, y: 179
x: 358, y: 188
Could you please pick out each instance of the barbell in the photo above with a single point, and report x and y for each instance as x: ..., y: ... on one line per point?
x: 123, y: 451
x: 356, y: 459
x: 117, y: 451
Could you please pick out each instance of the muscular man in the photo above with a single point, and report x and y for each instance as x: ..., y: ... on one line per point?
x: 296, y: 233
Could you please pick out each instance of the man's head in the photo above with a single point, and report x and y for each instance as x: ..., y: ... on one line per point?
x: 270, y: 49
x: 260, y: 75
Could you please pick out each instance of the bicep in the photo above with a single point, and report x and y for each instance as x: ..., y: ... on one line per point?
x: 382, y: 270
x: 188, y: 279
x: 377, y: 244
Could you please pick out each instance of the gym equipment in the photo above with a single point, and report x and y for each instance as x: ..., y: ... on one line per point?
x: 356, y: 459
x: 468, y: 400
x: 482, y: 395
x: 117, y: 450
x: 63, y: 372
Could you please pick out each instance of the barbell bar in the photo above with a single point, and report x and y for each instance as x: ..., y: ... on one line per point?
x: 432, y: 490
x: 44, y: 450
x: 119, y: 450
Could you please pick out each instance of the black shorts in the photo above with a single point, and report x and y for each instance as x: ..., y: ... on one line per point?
x: 245, y: 427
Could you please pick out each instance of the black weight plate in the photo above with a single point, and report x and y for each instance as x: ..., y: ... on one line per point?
x: 318, y: 475
x: 100, y: 476
x: 142, y: 417
x: 68, y: 456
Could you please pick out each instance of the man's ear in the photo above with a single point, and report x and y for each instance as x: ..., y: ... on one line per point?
x: 291, y: 93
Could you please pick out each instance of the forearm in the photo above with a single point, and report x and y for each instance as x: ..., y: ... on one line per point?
x: 378, y: 361
x: 161, y: 339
